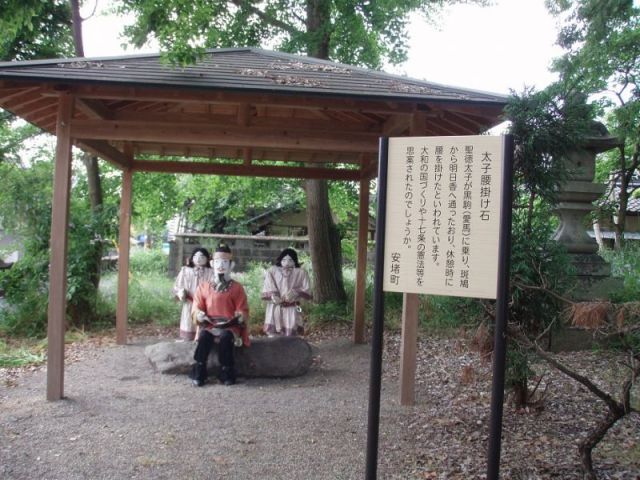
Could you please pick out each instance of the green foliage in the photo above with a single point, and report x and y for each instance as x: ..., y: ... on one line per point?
x: 19, y: 356
x: 445, y: 314
x: 539, y: 265
x: 221, y: 203
x: 352, y: 31
x: 145, y: 262
x: 546, y: 126
x: 32, y: 29
x: 150, y: 299
x: 625, y: 263
x: 155, y: 200
x: 602, y: 59
x: 25, y: 211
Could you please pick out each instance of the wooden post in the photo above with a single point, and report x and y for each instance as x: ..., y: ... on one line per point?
x: 123, y: 255
x: 410, y: 303
x: 408, y: 348
x: 57, y: 309
x: 361, y: 264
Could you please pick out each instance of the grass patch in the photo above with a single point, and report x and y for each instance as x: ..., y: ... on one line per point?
x: 21, y: 355
x: 150, y: 299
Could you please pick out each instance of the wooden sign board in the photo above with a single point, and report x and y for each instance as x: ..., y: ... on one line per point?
x: 443, y: 215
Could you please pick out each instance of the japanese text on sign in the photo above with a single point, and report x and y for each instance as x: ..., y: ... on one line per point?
x: 443, y: 217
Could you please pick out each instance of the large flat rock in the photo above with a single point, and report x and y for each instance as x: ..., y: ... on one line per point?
x: 266, y: 357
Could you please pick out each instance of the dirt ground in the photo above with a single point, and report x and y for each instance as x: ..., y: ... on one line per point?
x: 120, y: 419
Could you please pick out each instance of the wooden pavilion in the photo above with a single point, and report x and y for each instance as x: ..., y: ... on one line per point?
x: 234, y: 113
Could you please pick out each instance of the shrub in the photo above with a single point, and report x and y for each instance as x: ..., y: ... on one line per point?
x: 625, y: 263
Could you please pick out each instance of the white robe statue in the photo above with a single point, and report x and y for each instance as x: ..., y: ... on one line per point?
x: 187, y: 281
x: 285, y: 284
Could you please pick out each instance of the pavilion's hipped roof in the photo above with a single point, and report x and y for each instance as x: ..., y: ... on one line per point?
x: 247, y: 105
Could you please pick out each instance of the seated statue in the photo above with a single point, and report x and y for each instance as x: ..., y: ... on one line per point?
x: 221, y: 311
x: 285, y: 284
x: 190, y: 276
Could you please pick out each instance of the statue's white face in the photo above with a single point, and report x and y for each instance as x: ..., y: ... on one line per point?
x: 222, y: 266
x: 199, y: 259
x: 287, y: 265
x: 287, y: 262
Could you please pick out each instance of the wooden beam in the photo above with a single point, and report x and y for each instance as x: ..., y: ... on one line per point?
x: 123, y: 254
x: 302, y: 100
x: 481, y: 109
x: 12, y: 94
x: 26, y: 98
x: 241, y: 170
x: 361, y: 263
x: 169, y: 132
x: 107, y: 152
x: 244, y: 111
x: 207, y: 152
x: 247, y: 154
x: 57, y: 310
x: 370, y: 171
x: 410, y: 303
x: 95, y: 109
x: 396, y: 125
x: 409, y: 348
x: 222, y: 121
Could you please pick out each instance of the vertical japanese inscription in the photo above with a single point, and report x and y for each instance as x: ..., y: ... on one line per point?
x: 443, y: 215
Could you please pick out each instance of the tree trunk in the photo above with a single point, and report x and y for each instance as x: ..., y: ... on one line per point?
x: 324, y: 245
x: 90, y: 162
x: 324, y: 238
x: 520, y: 392
x: 94, y: 185
x: 587, y: 445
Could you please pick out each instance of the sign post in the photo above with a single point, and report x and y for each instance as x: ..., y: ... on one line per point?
x: 446, y: 204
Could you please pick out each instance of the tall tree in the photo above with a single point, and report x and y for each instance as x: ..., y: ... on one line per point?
x: 90, y: 161
x: 602, y: 40
x: 358, y: 32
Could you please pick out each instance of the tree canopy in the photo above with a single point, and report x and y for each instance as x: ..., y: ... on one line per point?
x: 602, y: 43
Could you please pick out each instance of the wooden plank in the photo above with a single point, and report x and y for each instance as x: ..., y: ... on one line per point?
x: 396, y: 125
x: 302, y: 100
x: 57, y: 310
x: 18, y: 93
x: 247, y: 155
x: 409, y: 348
x: 361, y: 263
x: 107, y: 152
x: 27, y: 97
x: 95, y: 108
x: 257, y: 155
x: 122, y: 307
x: 257, y: 137
x: 410, y: 304
x: 241, y: 170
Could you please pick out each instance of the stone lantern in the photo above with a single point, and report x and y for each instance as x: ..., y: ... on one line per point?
x: 576, y: 198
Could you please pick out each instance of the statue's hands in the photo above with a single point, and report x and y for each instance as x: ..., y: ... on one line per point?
x: 276, y: 299
x: 201, y: 317
x: 291, y: 296
x: 181, y: 294
x: 239, y: 317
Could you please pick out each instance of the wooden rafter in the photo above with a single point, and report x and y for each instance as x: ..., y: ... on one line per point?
x: 107, y: 152
x: 245, y: 171
x: 95, y: 108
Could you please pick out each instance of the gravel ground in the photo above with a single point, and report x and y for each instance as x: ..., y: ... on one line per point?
x: 122, y: 420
